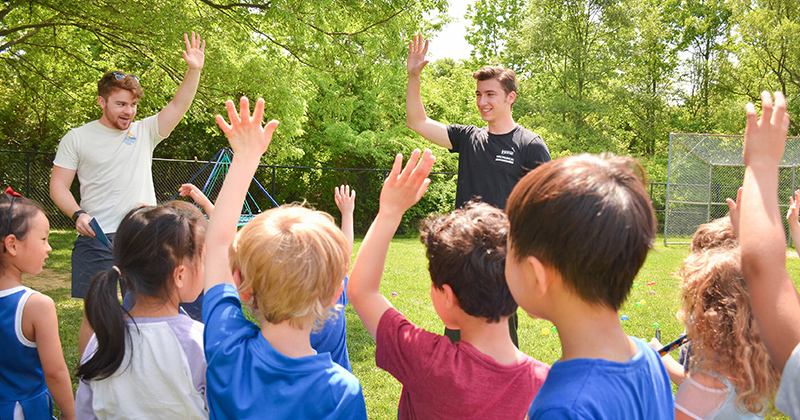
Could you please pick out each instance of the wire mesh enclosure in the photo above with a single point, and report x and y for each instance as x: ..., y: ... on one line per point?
x: 706, y: 169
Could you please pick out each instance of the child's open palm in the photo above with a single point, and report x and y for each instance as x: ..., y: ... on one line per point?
x: 345, y: 199
x: 245, y: 133
x: 402, y: 189
x: 765, y: 137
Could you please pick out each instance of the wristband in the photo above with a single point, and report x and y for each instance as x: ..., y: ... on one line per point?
x: 76, y: 214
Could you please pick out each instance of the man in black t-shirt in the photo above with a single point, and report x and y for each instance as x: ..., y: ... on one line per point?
x: 491, y: 159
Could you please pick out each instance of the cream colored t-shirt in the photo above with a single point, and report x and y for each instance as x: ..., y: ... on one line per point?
x: 114, y: 167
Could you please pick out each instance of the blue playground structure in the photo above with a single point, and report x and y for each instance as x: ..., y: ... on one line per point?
x: 222, y: 161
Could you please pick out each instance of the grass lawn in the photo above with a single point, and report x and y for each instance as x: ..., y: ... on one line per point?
x: 407, y: 285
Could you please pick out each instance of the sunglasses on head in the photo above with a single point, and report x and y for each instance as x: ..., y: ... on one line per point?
x: 121, y: 76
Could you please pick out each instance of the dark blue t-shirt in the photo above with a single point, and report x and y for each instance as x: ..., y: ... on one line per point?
x: 332, y: 338
x: 490, y: 165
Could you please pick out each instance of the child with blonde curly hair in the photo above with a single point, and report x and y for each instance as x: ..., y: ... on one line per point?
x: 731, y: 375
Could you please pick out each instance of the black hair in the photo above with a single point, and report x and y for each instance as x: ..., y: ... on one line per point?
x: 16, y: 213
x: 149, y: 244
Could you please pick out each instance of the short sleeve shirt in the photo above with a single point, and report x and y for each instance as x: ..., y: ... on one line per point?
x: 602, y: 389
x: 788, y: 399
x: 445, y: 380
x: 248, y: 379
x: 114, y: 167
x: 490, y: 165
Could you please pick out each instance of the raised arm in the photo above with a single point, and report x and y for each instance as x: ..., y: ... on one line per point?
x: 776, y: 303
x: 792, y: 220
x: 171, y: 115
x: 191, y: 190
x: 249, y: 140
x: 345, y: 199
x: 416, y: 118
x: 401, y: 190
x: 60, y: 181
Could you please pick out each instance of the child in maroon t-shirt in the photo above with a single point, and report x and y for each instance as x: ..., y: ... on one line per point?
x: 484, y: 376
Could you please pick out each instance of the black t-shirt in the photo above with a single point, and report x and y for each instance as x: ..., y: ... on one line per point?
x: 489, y: 165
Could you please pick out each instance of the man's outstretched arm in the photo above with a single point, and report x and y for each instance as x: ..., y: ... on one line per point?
x: 171, y: 115
x: 416, y: 118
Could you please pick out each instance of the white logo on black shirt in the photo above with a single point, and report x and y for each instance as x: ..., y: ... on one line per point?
x: 505, y: 156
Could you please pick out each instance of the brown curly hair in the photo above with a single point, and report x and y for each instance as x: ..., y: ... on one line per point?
x: 719, y: 321
x: 717, y: 233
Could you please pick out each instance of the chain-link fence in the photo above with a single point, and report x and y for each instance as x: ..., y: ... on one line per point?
x: 29, y: 173
x: 704, y: 170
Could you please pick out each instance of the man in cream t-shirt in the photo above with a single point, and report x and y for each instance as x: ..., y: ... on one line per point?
x: 112, y: 158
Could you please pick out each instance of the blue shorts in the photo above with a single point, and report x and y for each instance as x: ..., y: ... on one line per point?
x: 89, y: 257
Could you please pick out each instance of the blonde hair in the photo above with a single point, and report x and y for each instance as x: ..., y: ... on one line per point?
x: 718, y: 233
x: 294, y: 259
x: 719, y: 321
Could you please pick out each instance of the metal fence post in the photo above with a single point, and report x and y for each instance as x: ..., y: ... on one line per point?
x: 27, y: 174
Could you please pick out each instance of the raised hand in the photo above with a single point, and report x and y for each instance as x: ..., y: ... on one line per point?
x: 765, y: 137
x: 345, y: 199
x: 245, y: 133
x: 794, y: 209
x: 191, y: 191
x: 417, y: 49
x: 733, y: 210
x: 402, y: 189
x: 195, y: 51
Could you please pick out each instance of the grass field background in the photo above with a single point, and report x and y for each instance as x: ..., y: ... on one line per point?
x: 407, y: 285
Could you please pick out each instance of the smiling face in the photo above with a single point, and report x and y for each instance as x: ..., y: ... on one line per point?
x: 34, y: 249
x: 119, y: 109
x: 492, y: 101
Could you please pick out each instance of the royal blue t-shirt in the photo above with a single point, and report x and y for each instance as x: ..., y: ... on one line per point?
x: 602, y: 389
x: 332, y: 338
x: 248, y: 379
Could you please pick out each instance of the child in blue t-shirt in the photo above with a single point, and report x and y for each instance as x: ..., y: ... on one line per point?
x: 580, y: 229
x: 288, y: 265
x: 332, y: 337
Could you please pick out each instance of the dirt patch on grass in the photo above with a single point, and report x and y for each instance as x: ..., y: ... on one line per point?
x: 46, y: 280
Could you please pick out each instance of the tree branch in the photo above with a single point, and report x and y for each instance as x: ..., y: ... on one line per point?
x: 231, y: 6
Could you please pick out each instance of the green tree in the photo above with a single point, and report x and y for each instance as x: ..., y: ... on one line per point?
x: 491, y: 21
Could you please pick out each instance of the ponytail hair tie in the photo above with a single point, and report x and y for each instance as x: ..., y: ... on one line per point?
x: 10, y: 191
x: 116, y: 269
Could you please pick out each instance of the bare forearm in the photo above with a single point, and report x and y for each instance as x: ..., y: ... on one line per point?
x: 794, y: 230
x: 61, y: 389
x: 347, y: 228
x: 187, y: 90
x: 171, y: 115
x: 63, y: 198
x: 674, y: 369
x: 363, y: 290
x: 761, y: 231
x: 222, y: 228
x: 369, y: 264
x: 415, y: 110
x: 773, y: 296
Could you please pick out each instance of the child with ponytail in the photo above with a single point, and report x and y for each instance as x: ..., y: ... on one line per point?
x: 32, y: 366
x: 147, y: 362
